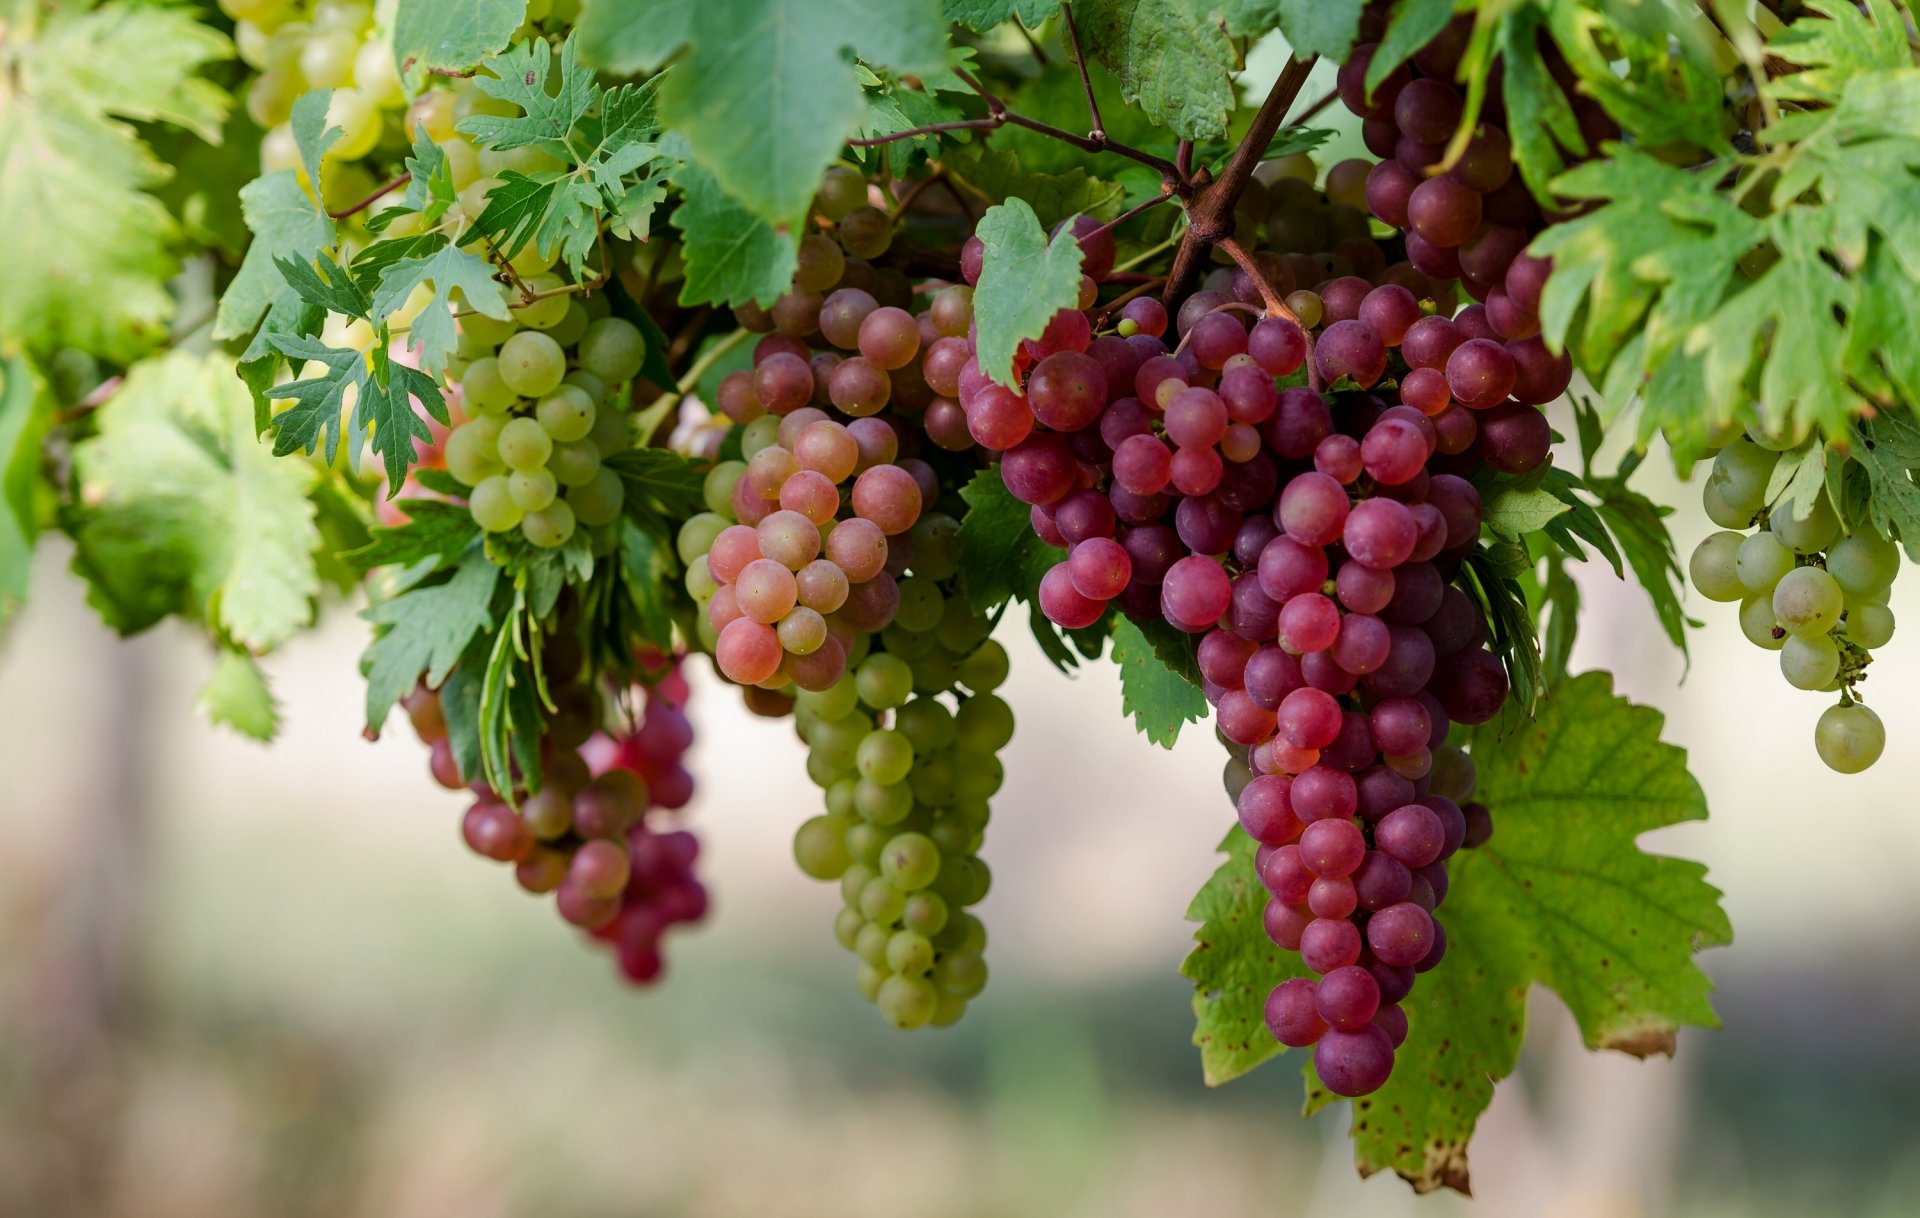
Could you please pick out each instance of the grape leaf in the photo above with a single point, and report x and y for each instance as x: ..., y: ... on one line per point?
x: 1159, y: 699
x: 434, y: 529
x: 422, y: 632
x: 1053, y: 197
x: 765, y: 109
x: 1562, y: 896
x: 1024, y: 281
x: 732, y: 255
x: 1411, y: 25
x: 383, y: 392
x: 180, y: 509
x: 448, y: 268
x: 1000, y: 556
x: 313, y: 134
x: 1173, y: 59
x: 646, y: 572
x: 236, y: 694
x: 1889, y: 448
x: 70, y: 164
x: 25, y: 409
x: 520, y: 76
x: 454, y: 35
x: 1312, y: 27
x: 285, y: 226
x: 1055, y: 95
x: 659, y: 481
x: 983, y: 15
x: 1516, y: 511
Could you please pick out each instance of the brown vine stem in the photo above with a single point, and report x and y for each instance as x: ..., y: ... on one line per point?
x: 1098, y: 130
x: 1210, y: 211
x: 1326, y: 99
x: 1276, y: 307
x: 1150, y: 284
x: 1128, y: 214
x: 369, y: 201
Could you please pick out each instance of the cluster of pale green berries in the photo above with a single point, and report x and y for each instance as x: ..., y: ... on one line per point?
x: 1806, y: 591
x: 537, y: 432
x: 907, y: 781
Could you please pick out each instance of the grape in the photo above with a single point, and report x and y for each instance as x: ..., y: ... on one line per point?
x: 1356, y: 1062
x: 492, y: 505
x: 575, y: 463
x: 599, y: 500
x: 1714, y: 566
x: 1350, y: 349
x: 1443, y: 211
x: 1807, y: 601
x: 550, y: 526
x: 1807, y: 535
x: 889, y: 338
x: 567, y: 413
x: 471, y: 450
x: 888, y: 496
x: 531, y: 363
x: 532, y: 489
x: 1869, y: 625
x: 1849, y: 737
x: 524, y: 444
x: 1761, y: 562
x: 1758, y: 624
x: 483, y: 389
x: 1863, y: 564
x: 1741, y: 471
x: 1809, y: 662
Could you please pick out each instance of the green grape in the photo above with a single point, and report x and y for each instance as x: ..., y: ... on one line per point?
x: 1741, y: 471
x: 882, y: 901
x: 530, y: 262
x: 854, y: 880
x: 951, y: 834
x: 883, y: 805
x: 574, y: 463
x: 984, y: 723
x: 820, y: 772
x: 884, y: 681
x: 612, y: 431
x: 598, y: 502
x: 802, y: 632
x: 925, y: 912
x: 962, y: 973
x: 550, y: 526
x: 700, y: 583
x: 532, y: 489
x: 978, y: 777
x: 948, y: 1010
x: 986, y: 668
x: 1807, y: 601
x: 819, y: 264
x: 1849, y: 737
x: 259, y: 11
x: 1712, y: 567
x: 613, y: 350
x: 1863, y: 563
x: 595, y: 387
x: 549, y: 310
x: 837, y: 701
x: 1870, y: 625
x: 697, y: 534
x: 870, y: 942
x: 819, y: 847
x: 907, y: 1002
x: 1757, y: 622
x: 921, y: 604
x: 932, y: 781
x: 909, y: 952
x: 906, y: 644
x: 936, y: 546
x: 868, y: 980
x: 866, y: 232
x: 463, y: 163
x: 1809, y: 662
x: 376, y: 74
x: 327, y: 59
x: 763, y: 432
x: 935, y: 672
x: 884, y: 757
x: 489, y: 330
x: 838, y: 739
x: 358, y: 117
x: 271, y: 96
x: 910, y: 861
x: 841, y: 190
x: 492, y: 505
x: 865, y: 841
x: 472, y: 450
x: 1722, y: 513
x: 840, y: 797
x: 717, y: 490
x: 847, y: 925
x: 1806, y: 536
x: 524, y: 444
x: 1762, y: 562
x: 343, y: 14
x: 473, y: 201
x: 926, y: 723
x: 572, y: 326
x: 531, y: 363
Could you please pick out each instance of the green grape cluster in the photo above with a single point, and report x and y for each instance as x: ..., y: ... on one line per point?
x: 1805, y: 590
x: 541, y: 421
x: 907, y: 779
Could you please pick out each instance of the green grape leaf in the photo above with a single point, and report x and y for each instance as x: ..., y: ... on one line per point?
x: 1516, y: 511
x: 180, y: 509
x: 313, y: 134
x: 72, y: 163
x: 896, y: 108
x: 983, y: 15
x: 1511, y: 625
x: 326, y: 283
x: 1159, y: 699
x: 422, y: 632
x: 429, y: 178
x: 1055, y: 95
x: 1325, y: 28
x: 510, y: 709
x: 765, y: 111
x: 452, y: 35
x: 732, y: 256
x: 619, y: 135
x: 236, y: 695
x: 646, y: 572
x: 554, y: 211
x: 1024, y: 281
x: 1561, y: 896
x: 659, y: 481
x: 25, y: 411
x: 1889, y: 449
x: 1173, y: 59
x: 1000, y: 556
x: 1411, y: 25
x: 520, y: 77
x: 382, y: 408
x: 434, y: 529
x: 1053, y: 197
x: 286, y: 226
x: 448, y: 268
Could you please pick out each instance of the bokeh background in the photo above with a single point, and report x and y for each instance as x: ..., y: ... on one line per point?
x: 240, y: 981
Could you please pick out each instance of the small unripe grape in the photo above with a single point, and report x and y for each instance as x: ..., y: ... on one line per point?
x: 546, y: 312
x: 1762, y: 562
x: 1849, y: 738
x: 841, y: 190
x: 575, y: 462
x: 1757, y: 622
x: 550, y: 526
x: 696, y: 536
x: 598, y: 501
x: 802, y: 631
x: 1807, y: 601
x: 472, y: 450
x: 532, y: 489
x: 613, y: 350
x: 1870, y: 625
x: 866, y: 232
x: 567, y: 413
x: 1809, y: 662
x: 531, y: 363
x: 492, y: 505
x: 1713, y: 567
x: 524, y: 444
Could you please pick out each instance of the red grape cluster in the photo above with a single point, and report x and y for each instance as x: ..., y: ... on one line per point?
x: 583, y: 835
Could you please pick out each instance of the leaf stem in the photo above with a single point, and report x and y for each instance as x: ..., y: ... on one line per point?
x: 369, y: 201
x: 1276, y: 307
x: 1098, y: 129
x: 690, y: 379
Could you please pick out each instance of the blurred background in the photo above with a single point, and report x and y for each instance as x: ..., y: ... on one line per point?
x: 238, y: 980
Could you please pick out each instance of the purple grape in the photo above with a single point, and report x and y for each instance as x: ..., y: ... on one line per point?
x: 1063, y: 603
x: 1389, y: 186
x: 1206, y: 525
x: 1357, y: 1062
x: 1443, y: 212
x: 1436, y: 953
x: 1040, y: 469
x: 1197, y: 471
x: 1270, y: 675
x: 1331, y: 845
x: 1340, y: 298
x: 1292, y: 1015
x: 1515, y: 439
x: 1363, y: 645
x: 1436, y: 261
x: 1417, y: 591
x: 1195, y: 592
x: 1347, y: 997
x: 1471, y: 685
x: 1339, y: 458
x: 1153, y: 549
x: 1252, y: 539
x: 1363, y: 589
x: 1429, y: 342
x: 1099, y: 567
x: 1394, y: 451
x: 1401, y: 935
x: 1309, y: 718
x: 1323, y: 673
x: 1352, y: 83
x: 1526, y: 279
x: 1488, y: 161
x: 1217, y: 338
x: 1486, y: 256
x: 1288, y: 568
x: 1247, y: 486
x: 1454, y: 626
x: 1428, y: 110
x: 1400, y: 726
x: 1279, y: 346
x: 1283, y: 873
x: 1352, y: 750
x: 1266, y: 810
x: 1082, y: 515
x: 1196, y: 418
x: 1350, y: 349
x: 1409, y: 664
x: 1308, y: 622
x: 1313, y: 509
x: 1248, y: 394
x: 1380, y: 880
x: 1539, y: 376
x: 1379, y: 533
x: 1480, y: 374
x: 1067, y: 390
x: 1329, y: 943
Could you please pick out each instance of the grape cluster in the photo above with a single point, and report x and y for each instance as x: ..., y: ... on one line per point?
x: 537, y: 432
x: 1804, y: 590
x: 583, y: 834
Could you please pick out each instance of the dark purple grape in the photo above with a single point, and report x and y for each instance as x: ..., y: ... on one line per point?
x: 1539, y: 376
x: 1526, y: 278
x: 1480, y: 374
x: 1408, y: 667
x: 1357, y: 1062
x: 1488, y: 161
x: 1196, y: 418
x: 1514, y: 438
x: 1363, y: 645
x: 1067, y: 390
x: 1350, y: 349
x: 1435, y: 261
x: 1363, y: 589
x: 1271, y: 674
x: 1217, y: 338
x: 1459, y: 502
x: 1298, y: 423
x: 1083, y: 515
x: 1509, y: 320
x: 1454, y: 626
x: 1340, y: 298
x: 1443, y: 212
x: 1292, y: 1016
x: 1206, y: 525
x: 1347, y: 997
x: 1380, y: 533
x: 1289, y: 567
x: 1266, y: 810
x: 1417, y: 585
x: 1428, y: 110
x: 1279, y: 346
x: 1487, y: 255
x: 1389, y: 187
x: 1429, y: 342
x: 1040, y: 469
x: 1471, y: 685
x: 1381, y: 880
x: 1352, y: 83
x: 1249, y: 394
